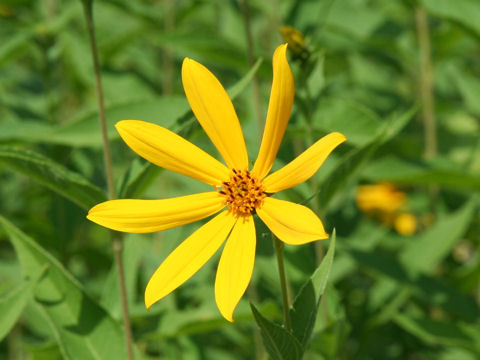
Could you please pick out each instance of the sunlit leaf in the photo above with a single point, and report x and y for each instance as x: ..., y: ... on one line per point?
x: 303, y: 312
x: 279, y: 343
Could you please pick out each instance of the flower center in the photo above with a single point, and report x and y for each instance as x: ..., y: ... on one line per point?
x: 243, y: 193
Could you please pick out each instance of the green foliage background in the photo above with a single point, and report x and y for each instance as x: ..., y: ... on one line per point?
x: 388, y: 296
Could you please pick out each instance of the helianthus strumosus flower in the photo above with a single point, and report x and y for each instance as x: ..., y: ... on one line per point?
x: 385, y: 202
x: 239, y: 192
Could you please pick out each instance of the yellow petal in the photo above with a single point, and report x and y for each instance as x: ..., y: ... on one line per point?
x: 170, y: 151
x: 215, y: 112
x: 279, y: 108
x: 304, y: 166
x: 142, y: 216
x: 235, y: 267
x: 188, y: 257
x: 292, y: 223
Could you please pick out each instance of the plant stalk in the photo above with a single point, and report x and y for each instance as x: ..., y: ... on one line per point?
x: 117, y: 242
x: 278, y: 245
x: 426, y: 79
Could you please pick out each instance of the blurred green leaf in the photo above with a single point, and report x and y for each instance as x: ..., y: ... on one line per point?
x: 279, y: 343
x: 163, y: 111
x: 465, y: 12
x: 303, y: 312
x: 241, y: 84
x: 357, y: 122
x: 13, y: 45
x: 468, y: 86
x: 395, y: 170
x: 138, y: 177
x: 354, y: 18
x: 85, y: 129
x: 350, y: 164
x: 429, y: 289
x: 11, y: 306
x: 204, y: 47
x: 427, y: 250
x: 442, y: 332
x: 71, y: 185
x: 131, y: 263
x: 83, y: 329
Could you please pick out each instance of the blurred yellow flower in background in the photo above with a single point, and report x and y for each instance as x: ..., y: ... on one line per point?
x: 241, y: 191
x: 387, y: 204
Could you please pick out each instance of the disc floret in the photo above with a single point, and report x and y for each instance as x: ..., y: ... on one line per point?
x: 243, y: 192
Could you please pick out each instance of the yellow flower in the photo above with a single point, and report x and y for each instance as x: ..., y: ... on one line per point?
x: 238, y: 192
x: 405, y: 224
x: 385, y: 202
x: 380, y: 198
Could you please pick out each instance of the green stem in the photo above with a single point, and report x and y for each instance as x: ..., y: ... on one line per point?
x: 426, y: 93
x: 168, y: 58
x: 117, y: 242
x: 278, y: 245
x: 88, y: 11
x: 426, y: 79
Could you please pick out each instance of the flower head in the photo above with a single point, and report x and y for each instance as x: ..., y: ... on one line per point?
x: 385, y: 202
x: 238, y: 192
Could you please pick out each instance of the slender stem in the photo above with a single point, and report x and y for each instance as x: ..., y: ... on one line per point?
x: 426, y: 93
x: 117, y: 241
x: 117, y: 245
x: 278, y: 245
x: 426, y: 78
x: 88, y: 11
x: 14, y: 343
x: 251, y: 61
x: 168, y: 60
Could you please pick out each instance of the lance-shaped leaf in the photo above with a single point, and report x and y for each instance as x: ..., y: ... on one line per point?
x: 303, y: 312
x: 82, y: 328
x: 279, y: 343
x: 12, y: 305
x: 65, y: 182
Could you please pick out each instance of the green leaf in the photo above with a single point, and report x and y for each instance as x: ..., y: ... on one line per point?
x: 355, y: 18
x: 350, y: 165
x: 71, y: 185
x: 444, y: 333
x: 430, y: 290
x: 83, y: 329
x: 279, y: 343
x: 163, y: 111
x: 13, y: 45
x: 132, y: 254
x: 12, y: 305
x: 412, y: 267
x: 140, y: 174
x: 241, y: 84
x: 465, y: 12
x: 468, y: 85
x: 303, y: 312
x: 393, y: 169
x: 425, y: 252
x: 336, y: 114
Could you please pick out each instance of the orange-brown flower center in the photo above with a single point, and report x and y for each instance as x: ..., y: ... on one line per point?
x: 243, y: 193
